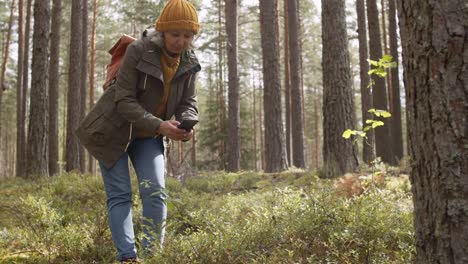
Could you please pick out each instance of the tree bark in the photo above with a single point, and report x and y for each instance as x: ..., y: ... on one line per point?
x: 287, y: 84
x: 27, y: 32
x: 435, y: 60
x: 368, y: 154
x: 297, y: 124
x: 339, y: 154
x: 19, y: 90
x: 379, y: 91
x: 233, y: 135
x: 54, y: 79
x: 74, y: 88
x: 275, y: 146
x: 84, y: 73
x: 395, y: 107
x: 38, y: 131
x: 91, y: 162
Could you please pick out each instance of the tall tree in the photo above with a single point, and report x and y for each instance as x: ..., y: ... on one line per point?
x: 234, y: 150
x: 297, y: 124
x: 84, y: 72
x: 287, y: 84
x: 275, y: 147
x: 368, y: 154
x: 38, y: 131
x: 19, y: 89
x: 6, y: 52
x: 395, y: 104
x: 23, y: 148
x: 54, y: 78
x: 91, y: 166
x: 435, y: 59
x: 339, y: 155
x: 379, y: 91
x: 74, y: 87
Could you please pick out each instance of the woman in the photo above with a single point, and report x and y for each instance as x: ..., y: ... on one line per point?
x: 155, y: 82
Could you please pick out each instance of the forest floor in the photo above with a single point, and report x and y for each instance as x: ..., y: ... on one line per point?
x: 218, y: 217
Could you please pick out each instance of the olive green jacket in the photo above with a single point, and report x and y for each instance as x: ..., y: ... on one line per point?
x: 127, y: 105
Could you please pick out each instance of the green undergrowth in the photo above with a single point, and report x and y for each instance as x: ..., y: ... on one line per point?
x: 248, y: 217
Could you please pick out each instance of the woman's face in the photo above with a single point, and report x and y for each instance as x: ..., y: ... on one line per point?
x: 177, y: 41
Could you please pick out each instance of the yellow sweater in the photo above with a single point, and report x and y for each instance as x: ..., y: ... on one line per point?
x: 169, y: 67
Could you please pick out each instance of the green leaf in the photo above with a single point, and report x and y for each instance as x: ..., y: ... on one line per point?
x: 347, y: 134
x: 387, y: 58
x: 377, y: 124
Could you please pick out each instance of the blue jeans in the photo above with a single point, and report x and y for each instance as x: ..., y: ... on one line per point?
x: 147, y: 156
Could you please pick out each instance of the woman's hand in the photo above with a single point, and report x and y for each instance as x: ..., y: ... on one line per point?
x: 169, y: 129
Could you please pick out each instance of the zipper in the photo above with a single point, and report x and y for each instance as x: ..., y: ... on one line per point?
x: 144, y: 84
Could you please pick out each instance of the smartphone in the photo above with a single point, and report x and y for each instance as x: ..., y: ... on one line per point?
x: 188, y: 124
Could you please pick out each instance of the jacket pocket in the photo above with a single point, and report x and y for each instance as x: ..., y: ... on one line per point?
x: 149, y: 68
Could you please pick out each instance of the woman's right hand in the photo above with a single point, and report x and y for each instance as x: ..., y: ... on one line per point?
x: 170, y: 129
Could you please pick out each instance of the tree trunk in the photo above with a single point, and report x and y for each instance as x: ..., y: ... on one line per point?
x: 435, y: 60
x: 84, y: 73
x: 6, y: 51
x: 368, y: 154
x: 233, y: 135
x: 91, y: 165
x: 339, y: 154
x: 222, y: 107
x: 297, y: 124
x: 74, y: 87
x: 54, y: 78
x: 38, y: 131
x: 379, y: 92
x: 275, y: 145
x: 27, y: 32
x: 19, y: 89
x: 287, y: 84
x: 395, y: 107
x: 3, y: 85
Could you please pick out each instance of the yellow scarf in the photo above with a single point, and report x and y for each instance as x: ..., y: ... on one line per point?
x: 169, y: 68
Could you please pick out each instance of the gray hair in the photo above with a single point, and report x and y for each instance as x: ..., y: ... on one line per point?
x: 157, y: 38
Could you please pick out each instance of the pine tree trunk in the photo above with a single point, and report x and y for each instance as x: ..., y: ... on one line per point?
x: 74, y: 87
x: 379, y: 92
x: 19, y: 89
x: 339, y: 154
x: 435, y: 59
x: 84, y: 73
x: 275, y: 145
x: 38, y: 131
x: 233, y: 135
x: 27, y: 32
x: 254, y: 126
x: 287, y: 84
x: 6, y: 49
x: 54, y: 78
x: 91, y: 162
x: 368, y: 154
x: 222, y: 114
x: 395, y: 106
x: 297, y: 125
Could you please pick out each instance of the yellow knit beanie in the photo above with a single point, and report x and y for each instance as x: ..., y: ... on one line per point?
x: 178, y: 15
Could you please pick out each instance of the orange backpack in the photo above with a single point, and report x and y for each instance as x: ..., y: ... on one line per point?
x: 117, y: 52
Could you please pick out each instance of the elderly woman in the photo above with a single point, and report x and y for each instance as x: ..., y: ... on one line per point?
x: 156, y: 81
